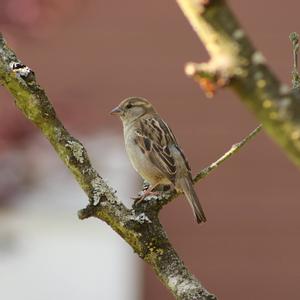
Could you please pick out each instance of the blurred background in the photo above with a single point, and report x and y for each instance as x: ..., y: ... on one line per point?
x: 89, y: 55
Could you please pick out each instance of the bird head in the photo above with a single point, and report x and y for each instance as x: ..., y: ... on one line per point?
x: 132, y: 108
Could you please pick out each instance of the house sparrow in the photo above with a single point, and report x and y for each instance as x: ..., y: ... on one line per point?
x: 153, y: 151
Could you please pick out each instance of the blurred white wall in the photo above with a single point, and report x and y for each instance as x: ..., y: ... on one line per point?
x: 47, y: 253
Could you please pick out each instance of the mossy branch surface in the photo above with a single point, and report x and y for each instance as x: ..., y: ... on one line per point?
x: 236, y: 62
x: 294, y: 38
x: 140, y: 226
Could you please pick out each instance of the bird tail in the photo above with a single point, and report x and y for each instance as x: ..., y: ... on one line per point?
x: 188, y: 189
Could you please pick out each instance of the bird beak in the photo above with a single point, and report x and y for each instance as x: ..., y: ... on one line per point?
x: 116, y: 111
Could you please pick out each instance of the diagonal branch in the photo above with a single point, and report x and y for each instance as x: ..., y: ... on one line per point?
x: 139, y: 227
x: 236, y: 63
x: 294, y: 38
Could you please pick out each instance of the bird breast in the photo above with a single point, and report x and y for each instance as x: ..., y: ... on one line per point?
x: 140, y: 161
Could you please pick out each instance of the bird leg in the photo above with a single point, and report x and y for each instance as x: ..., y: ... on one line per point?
x: 149, y: 191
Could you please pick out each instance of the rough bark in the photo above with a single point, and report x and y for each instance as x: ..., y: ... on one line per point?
x: 140, y: 226
x: 236, y: 63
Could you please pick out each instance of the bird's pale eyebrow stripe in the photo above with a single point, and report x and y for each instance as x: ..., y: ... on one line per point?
x: 140, y: 103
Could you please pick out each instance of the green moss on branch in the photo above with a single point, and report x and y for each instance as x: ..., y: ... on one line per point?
x: 140, y: 229
x: 234, y: 57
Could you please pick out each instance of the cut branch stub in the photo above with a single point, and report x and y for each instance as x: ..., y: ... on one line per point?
x: 223, y: 44
x: 294, y: 38
x: 209, y: 78
x: 232, y: 54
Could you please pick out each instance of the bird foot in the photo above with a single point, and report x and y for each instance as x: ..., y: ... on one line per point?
x: 141, y: 197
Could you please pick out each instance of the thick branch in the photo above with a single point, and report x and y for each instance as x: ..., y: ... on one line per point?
x: 139, y: 227
x: 141, y: 230
x: 236, y: 63
x: 294, y: 37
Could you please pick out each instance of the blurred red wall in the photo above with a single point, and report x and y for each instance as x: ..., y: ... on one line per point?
x: 99, y: 52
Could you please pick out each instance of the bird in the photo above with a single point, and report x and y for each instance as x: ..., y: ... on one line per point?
x: 154, y: 152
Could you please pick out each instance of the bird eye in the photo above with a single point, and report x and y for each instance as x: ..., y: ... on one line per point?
x: 129, y: 105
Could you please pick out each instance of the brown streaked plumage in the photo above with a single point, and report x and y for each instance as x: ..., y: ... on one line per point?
x: 153, y: 150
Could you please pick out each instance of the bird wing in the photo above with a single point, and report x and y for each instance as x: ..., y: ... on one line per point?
x: 155, y: 138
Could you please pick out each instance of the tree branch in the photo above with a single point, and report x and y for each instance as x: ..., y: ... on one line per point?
x: 158, y: 202
x: 294, y: 38
x: 235, y: 62
x: 234, y: 148
x: 139, y: 227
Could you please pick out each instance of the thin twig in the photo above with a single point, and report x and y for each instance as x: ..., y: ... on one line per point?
x: 234, y: 149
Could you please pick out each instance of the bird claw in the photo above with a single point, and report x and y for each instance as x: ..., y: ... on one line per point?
x: 146, y: 185
x: 144, y: 194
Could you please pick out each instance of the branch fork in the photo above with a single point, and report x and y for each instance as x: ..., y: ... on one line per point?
x: 140, y: 226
